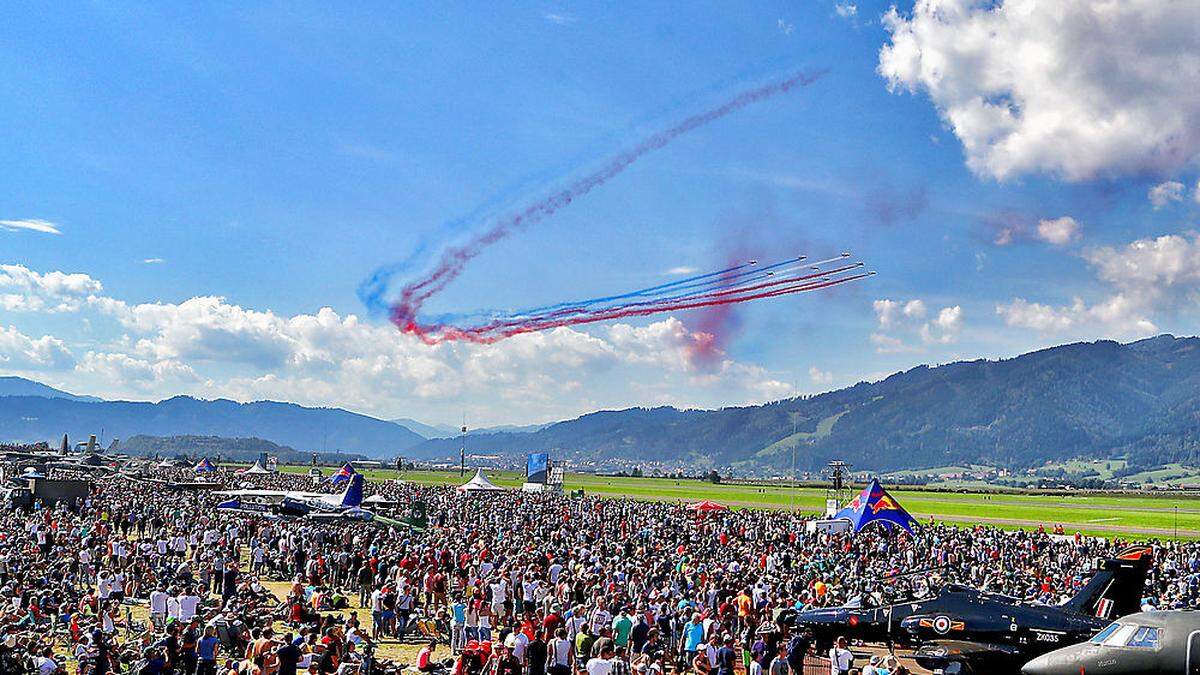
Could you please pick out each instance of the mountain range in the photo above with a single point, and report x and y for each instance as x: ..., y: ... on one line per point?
x: 1085, y: 400
x: 33, y: 418
x: 1139, y: 400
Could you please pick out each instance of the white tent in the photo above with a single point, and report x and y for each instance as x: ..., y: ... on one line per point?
x: 479, y: 483
x: 257, y: 468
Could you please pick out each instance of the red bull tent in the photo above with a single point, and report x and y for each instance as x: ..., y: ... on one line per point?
x: 875, y: 505
x: 204, y: 466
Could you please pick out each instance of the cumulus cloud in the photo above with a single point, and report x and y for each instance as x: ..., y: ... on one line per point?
x: 23, y: 290
x: 1164, y: 193
x: 898, y: 319
x: 19, y: 352
x: 846, y: 10
x: 820, y: 377
x: 1145, y: 277
x: 30, y: 225
x: 1059, y: 231
x: 1073, y: 88
x: 1117, y: 316
x: 209, y: 346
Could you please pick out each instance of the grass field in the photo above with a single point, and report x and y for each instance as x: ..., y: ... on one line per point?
x: 1132, y: 516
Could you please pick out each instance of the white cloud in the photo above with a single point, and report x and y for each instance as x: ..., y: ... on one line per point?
x: 31, y: 225
x: 560, y: 18
x: 153, y: 261
x: 885, y: 312
x: 886, y: 344
x: 682, y: 269
x: 1117, y: 316
x: 785, y: 27
x: 23, y: 290
x: 914, y: 309
x: 1145, y: 276
x: 208, y: 346
x: 1149, y: 264
x: 820, y: 377
x: 846, y: 10
x: 908, y: 318
x: 1196, y: 193
x: 144, y: 375
x: 1074, y: 88
x: 1059, y: 231
x: 19, y: 352
x: 1164, y: 193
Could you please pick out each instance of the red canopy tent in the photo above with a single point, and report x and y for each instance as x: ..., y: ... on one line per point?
x: 706, y: 506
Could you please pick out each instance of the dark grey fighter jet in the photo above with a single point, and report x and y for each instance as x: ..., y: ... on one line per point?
x: 1147, y: 643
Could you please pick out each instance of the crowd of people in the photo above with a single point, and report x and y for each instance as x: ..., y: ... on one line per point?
x: 142, y: 578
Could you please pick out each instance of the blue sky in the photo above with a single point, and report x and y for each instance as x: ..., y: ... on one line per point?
x: 208, y: 178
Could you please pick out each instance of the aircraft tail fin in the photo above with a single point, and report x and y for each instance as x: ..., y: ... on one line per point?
x: 353, y: 495
x: 1116, y: 589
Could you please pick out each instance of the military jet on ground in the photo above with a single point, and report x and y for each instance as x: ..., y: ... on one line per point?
x: 968, y: 631
x: 1164, y: 643
x: 959, y: 629
x: 286, y: 504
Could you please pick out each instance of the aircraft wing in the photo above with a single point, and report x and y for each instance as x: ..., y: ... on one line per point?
x: 963, y: 656
x: 252, y: 493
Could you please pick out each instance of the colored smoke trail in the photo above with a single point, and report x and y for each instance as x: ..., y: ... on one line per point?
x: 720, y: 292
x: 454, y: 259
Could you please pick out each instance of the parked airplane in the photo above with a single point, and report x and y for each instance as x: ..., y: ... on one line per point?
x: 968, y: 631
x: 1165, y: 643
x: 288, y: 504
x: 964, y: 630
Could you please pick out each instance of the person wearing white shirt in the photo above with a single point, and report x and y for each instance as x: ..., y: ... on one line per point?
x: 841, y: 660
x: 188, y: 606
x: 158, y: 607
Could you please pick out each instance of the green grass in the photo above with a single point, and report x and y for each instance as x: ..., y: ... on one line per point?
x: 824, y: 428
x: 1168, y: 473
x: 1090, y: 514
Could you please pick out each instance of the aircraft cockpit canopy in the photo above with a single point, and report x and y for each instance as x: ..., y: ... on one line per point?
x: 1129, y: 635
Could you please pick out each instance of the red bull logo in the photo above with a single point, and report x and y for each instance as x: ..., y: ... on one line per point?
x: 884, y: 503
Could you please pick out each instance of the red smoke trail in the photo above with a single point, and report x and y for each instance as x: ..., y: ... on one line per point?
x: 722, y: 290
x: 488, y: 334
x: 454, y: 260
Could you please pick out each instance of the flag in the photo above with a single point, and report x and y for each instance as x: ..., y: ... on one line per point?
x: 875, y: 505
x: 343, y: 474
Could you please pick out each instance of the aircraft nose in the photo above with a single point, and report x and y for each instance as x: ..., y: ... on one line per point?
x: 1062, y: 662
x: 1039, y: 666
